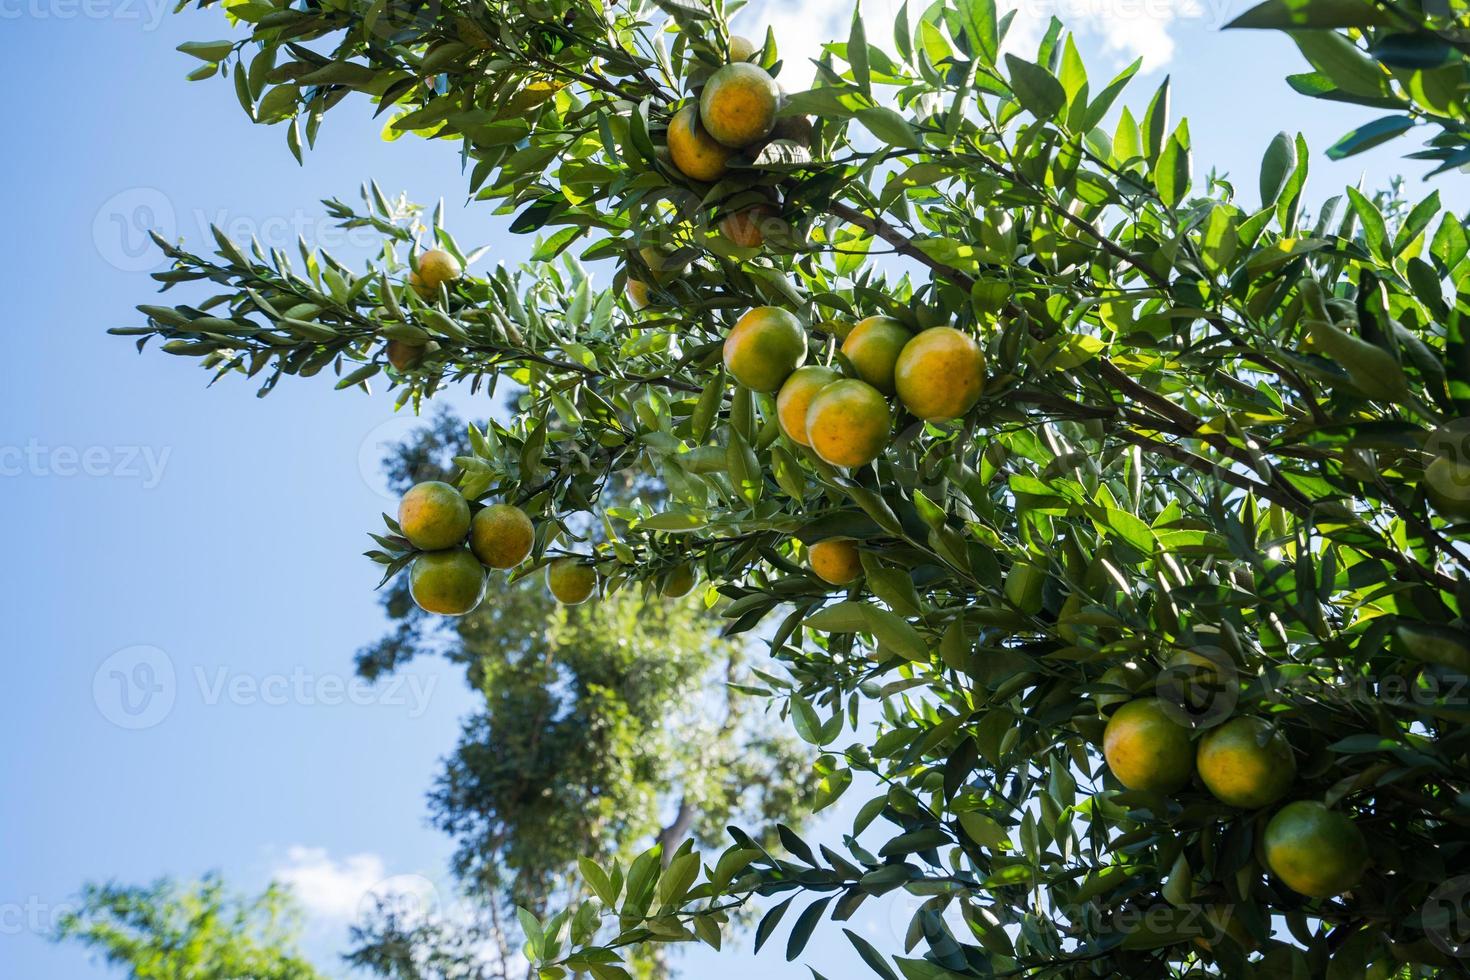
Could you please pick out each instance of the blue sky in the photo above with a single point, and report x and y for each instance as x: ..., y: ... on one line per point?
x: 205, y: 544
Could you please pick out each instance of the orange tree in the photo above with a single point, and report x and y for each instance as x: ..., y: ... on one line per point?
x: 1133, y: 519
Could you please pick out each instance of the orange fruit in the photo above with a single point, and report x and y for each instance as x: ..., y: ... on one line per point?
x: 797, y: 129
x: 940, y: 374
x: 1246, y: 763
x: 450, y: 582
x: 1447, y: 485
x: 873, y: 347
x: 680, y: 581
x: 742, y: 48
x: 796, y: 397
x: 738, y: 105
x: 764, y: 347
x: 1128, y: 676
x: 434, y: 516
x: 435, y: 268
x: 1146, y: 749
x: 571, y: 580
x: 403, y: 355
x: 848, y: 423
x: 501, y: 536
x: 835, y: 560
x: 747, y: 228
x: 637, y: 293
x: 1315, y: 851
x: 694, y: 151
x: 665, y: 264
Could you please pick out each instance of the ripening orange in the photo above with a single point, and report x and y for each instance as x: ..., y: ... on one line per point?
x: 747, y: 228
x: 1315, y: 851
x: 449, y: 582
x: 796, y: 397
x: 435, y: 268
x: 571, y: 580
x: 1246, y: 763
x: 637, y: 293
x: 694, y: 151
x: 403, y: 355
x: 873, y: 346
x: 835, y: 560
x: 501, y: 536
x: 434, y: 516
x: 738, y: 105
x: 848, y: 423
x: 764, y: 347
x: 1146, y: 749
x: 940, y: 374
x: 742, y: 48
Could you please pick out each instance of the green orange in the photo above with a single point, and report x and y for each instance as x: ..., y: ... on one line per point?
x: 738, y: 105
x: 835, y: 560
x: 1146, y: 749
x: 449, y: 582
x: 694, y: 151
x: 742, y: 48
x: 680, y: 581
x: 873, y: 347
x: 940, y: 374
x: 434, y: 516
x: 848, y: 423
x: 571, y: 580
x: 1246, y: 763
x: 796, y: 397
x: 403, y: 355
x: 501, y: 536
x: 1315, y: 851
x: 764, y: 347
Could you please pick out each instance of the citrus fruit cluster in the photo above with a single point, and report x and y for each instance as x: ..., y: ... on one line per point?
x: 1247, y: 763
x: 457, y: 547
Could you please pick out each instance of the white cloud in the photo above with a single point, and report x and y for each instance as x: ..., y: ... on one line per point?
x: 341, y: 891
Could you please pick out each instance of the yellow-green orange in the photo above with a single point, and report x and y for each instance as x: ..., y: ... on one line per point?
x: 571, y: 580
x: 665, y: 264
x: 694, y: 151
x: 1246, y: 763
x: 742, y: 48
x: 796, y: 397
x: 1146, y: 749
x: 501, y: 536
x: 764, y: 347
x: 848, y: 423
x: 738, y: 105
x: 1128, y: 676
x: 450, y: 582
x: 680, y: 581
x: 435, y: 268
x: 940, y: 374
x: 434, y: 516
x: 873, y: 347
x: 835, y: 560
x: 1315, y: 851
x: 637, y: 293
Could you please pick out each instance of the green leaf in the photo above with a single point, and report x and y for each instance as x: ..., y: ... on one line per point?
x: 1369, y: 135
x: 1036, y: 89
x: 1171, y: 175
x: 1341, y: 61
x: 1155, y: 124
x: 979, y: 20
x: 1330, y: 14
x: 1276, y: 167
x: 210, y: 51
x: 890, y: 127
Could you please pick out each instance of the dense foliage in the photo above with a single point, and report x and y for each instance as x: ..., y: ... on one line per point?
x: 167, y: 930
x: 1215, y: 468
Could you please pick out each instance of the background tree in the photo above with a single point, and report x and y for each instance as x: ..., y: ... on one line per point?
x: 605, y: 727
x: 170, y: 930
x: 1191, y: 524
